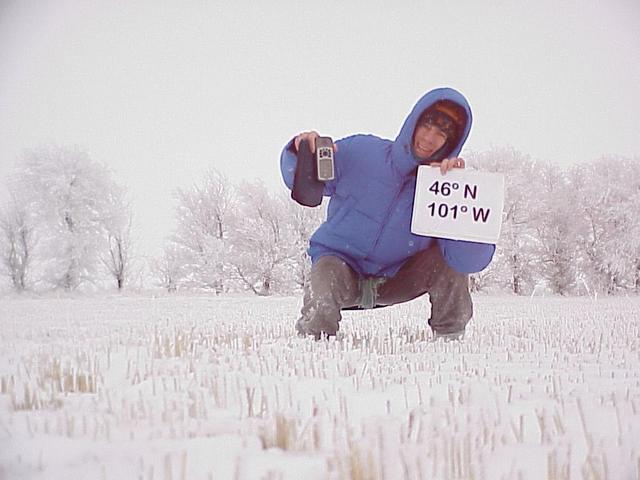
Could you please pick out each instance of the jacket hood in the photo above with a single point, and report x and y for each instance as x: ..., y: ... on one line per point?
x: 403, y: 144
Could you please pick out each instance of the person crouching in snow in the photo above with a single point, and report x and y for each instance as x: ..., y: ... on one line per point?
x: 364, y: 255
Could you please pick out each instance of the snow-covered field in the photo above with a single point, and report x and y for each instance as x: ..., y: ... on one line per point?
x: 206, y: 388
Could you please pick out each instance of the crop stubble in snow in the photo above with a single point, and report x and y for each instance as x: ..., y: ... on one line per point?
x: 202, y: 387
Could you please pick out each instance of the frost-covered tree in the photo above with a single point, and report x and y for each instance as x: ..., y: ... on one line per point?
x: 17, y: 239
x: 557, y: 230
x: 572, y: 230
x: 204, y: 215
x: 302, y: 221
x: 262, y: 244
x: 514, y: 263
x: 168, y: 269
x: 72, y: 198
x: 117, y: 256
x: 483, y: 281
x: 607, y: 194
x: 230, y: 237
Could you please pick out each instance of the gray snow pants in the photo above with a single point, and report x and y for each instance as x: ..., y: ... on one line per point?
x: 334, y: 285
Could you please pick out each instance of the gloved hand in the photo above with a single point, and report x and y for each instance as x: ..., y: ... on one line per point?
x: 307, y: 189
x: 310, y: 137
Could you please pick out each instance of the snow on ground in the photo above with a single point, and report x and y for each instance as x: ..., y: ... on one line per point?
x: 208, y: 388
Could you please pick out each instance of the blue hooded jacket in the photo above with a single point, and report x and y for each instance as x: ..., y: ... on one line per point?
x: 368, y: 221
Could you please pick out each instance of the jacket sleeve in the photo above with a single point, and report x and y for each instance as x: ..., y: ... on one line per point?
x: 288, y: 160
x: 466, y: 257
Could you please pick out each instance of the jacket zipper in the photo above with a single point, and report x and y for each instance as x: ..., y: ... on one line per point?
x: 386, y: 218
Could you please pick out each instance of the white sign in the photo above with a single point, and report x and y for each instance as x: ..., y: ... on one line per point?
x: 460, y: 205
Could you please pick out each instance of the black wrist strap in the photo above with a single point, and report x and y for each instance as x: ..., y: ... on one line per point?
x: 307, y: 189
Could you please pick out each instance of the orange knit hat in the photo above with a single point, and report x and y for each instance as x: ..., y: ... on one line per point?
x: 447, y: 116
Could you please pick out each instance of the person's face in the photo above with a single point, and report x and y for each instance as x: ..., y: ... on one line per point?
x: 427, y: 140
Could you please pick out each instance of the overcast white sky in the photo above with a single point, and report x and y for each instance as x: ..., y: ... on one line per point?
x: 161, y: 91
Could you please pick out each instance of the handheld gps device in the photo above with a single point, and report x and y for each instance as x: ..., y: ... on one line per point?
x: 324, y: 159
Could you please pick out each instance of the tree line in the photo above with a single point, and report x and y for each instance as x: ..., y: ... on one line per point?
x: 67, y: 225
x: 569, y: 231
